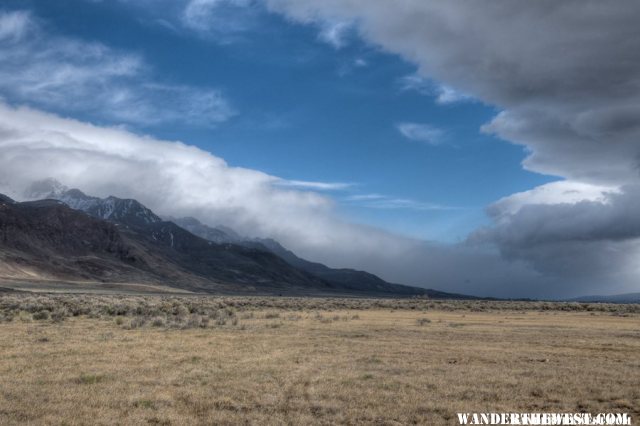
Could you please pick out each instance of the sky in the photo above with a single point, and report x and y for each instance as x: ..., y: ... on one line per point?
x: 487, y: 148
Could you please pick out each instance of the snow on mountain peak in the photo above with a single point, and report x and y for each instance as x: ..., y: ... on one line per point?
x: 127, y: 211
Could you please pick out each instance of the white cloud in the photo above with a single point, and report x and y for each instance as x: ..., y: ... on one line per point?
x: 416, y: 83
x: 359, y: 62
x: 223, y: 21
x: 65, y: 74
x: 560, y: 192
x: 13, y: 25
x: 448, y: 95
x: 384, y: 202
x: 421, y: 132
x: 443, y: 94
x: 335, y: 33
x: 316, y: 186
x: 231, y: 21
x: 174, y: 178
x: 366, y: 197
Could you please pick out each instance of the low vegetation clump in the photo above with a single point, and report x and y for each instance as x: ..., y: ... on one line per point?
x: 129, y: 312
x: 423, y: 321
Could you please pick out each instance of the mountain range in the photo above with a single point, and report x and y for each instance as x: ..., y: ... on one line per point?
x: 70, y: 236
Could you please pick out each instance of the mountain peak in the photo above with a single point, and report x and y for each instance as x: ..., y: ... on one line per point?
x: 46, y: 188
x: 128, y: 212
x: 76, y: 193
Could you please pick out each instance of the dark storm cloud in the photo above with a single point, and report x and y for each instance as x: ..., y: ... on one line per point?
x: 565, y: 73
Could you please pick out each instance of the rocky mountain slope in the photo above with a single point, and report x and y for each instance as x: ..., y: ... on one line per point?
x: 48, y: 240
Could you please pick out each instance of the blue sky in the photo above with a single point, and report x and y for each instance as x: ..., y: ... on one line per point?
x: 304, y: 107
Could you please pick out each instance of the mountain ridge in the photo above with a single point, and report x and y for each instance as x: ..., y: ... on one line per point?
x: 46, y: 239
x: 211, y: 252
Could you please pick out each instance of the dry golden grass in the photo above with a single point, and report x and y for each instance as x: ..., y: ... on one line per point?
x: 313, y: 364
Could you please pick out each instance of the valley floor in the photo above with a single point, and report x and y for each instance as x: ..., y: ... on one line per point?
x: 168, y: 361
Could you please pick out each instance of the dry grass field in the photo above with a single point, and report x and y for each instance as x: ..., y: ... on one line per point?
x: 183, y: 360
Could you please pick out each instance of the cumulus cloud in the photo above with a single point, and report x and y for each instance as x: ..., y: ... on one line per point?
x: 571, y: 230
x: 170, y: 177
x: 566, y: 77
x: 421, y: 132
x: 66, y: 74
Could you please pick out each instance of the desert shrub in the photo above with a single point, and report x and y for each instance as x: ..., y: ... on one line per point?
x: 158, y: 322
x: 193, y: 321
x: 180, y: 310
x: 138, y: 322
x: 41, y: 315
x: 94, y: 314
x: 25, y: 316
x: 59, y: 315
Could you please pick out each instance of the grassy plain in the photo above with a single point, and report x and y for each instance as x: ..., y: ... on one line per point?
x: 160, y: 360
